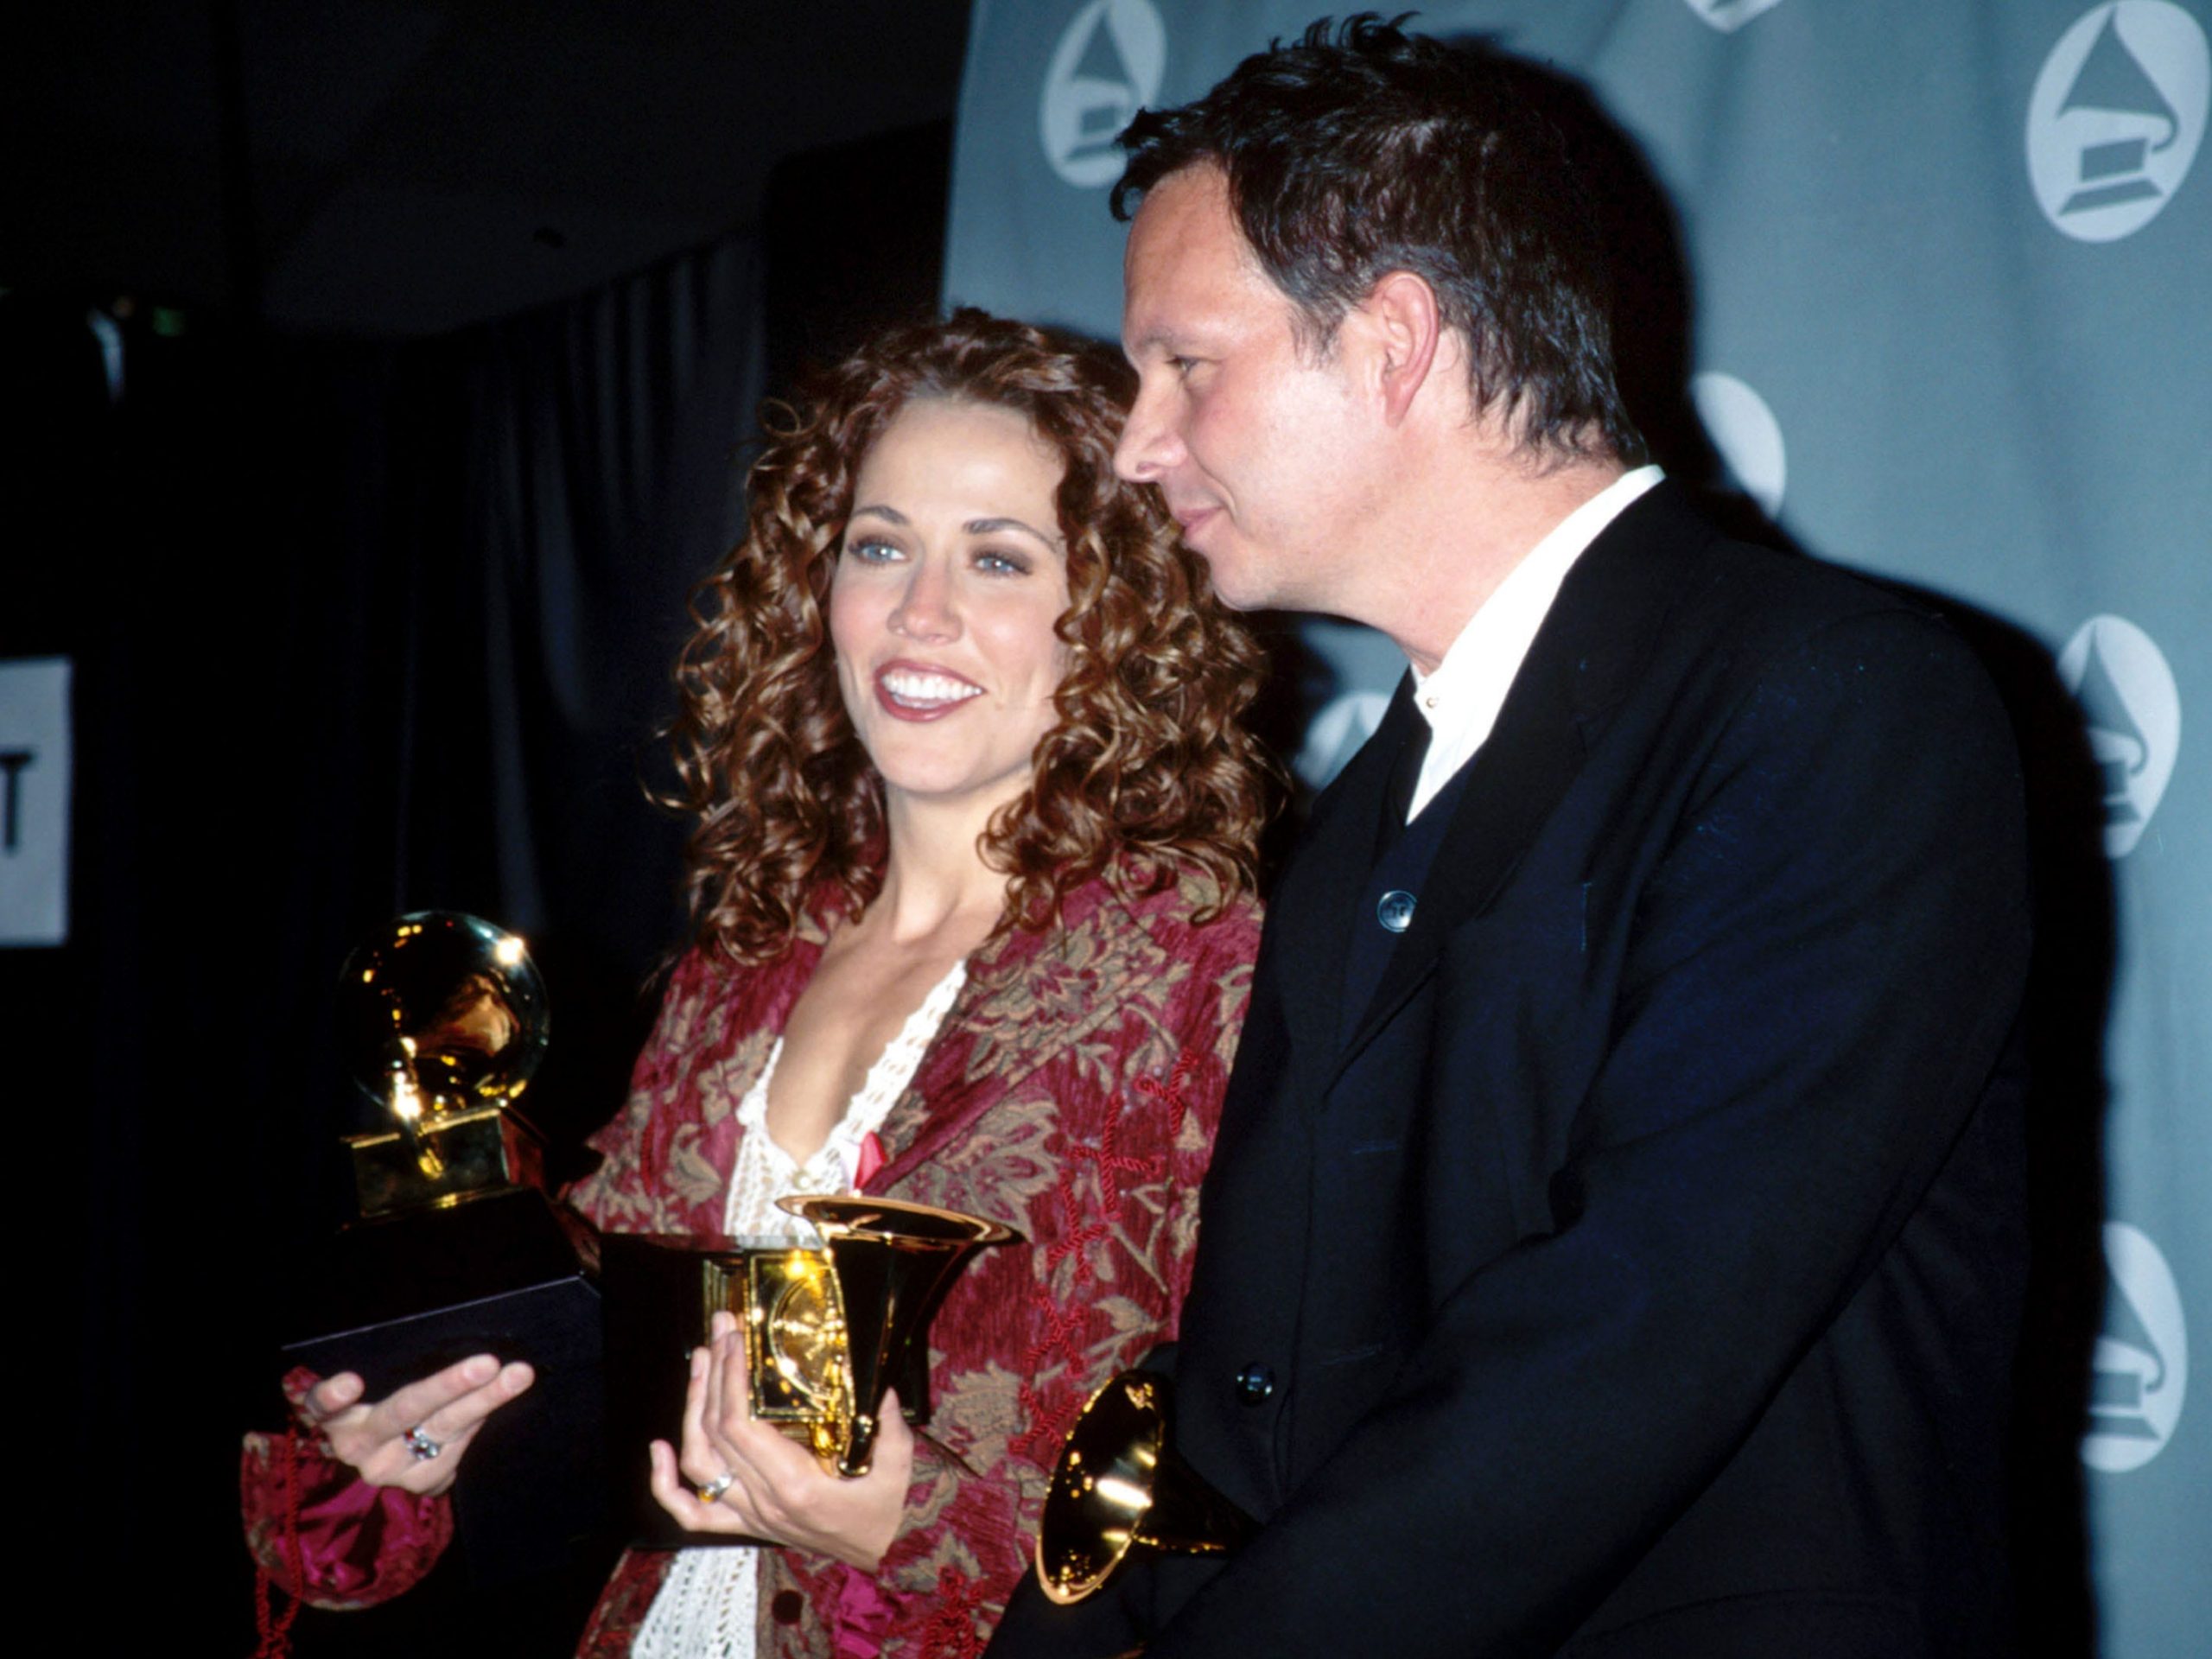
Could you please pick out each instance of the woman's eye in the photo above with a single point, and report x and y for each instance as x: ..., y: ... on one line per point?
x: 1002, y: 564
x: 866, y: 551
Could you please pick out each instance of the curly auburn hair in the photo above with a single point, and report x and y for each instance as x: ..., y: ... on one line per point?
x: 1147, y: 775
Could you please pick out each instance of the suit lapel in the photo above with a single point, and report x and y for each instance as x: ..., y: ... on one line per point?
x: 1310, y: 922
x: 1584, y: 660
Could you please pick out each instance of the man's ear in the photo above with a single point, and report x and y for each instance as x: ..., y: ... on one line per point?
x: 1406, y: 328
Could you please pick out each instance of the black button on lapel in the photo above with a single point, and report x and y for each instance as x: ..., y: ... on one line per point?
x: 1394, y: 910
x: 1255, y: 1384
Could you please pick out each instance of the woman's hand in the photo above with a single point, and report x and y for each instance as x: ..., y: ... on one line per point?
x: 777, y: 1488
x: 413, y: 1439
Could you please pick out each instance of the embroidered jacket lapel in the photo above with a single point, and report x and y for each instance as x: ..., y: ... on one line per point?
x: 1025, y: 1002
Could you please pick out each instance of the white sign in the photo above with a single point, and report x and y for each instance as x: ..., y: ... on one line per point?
x: 34, y: 802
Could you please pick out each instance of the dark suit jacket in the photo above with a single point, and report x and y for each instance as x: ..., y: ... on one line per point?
x: 1641, y: 1276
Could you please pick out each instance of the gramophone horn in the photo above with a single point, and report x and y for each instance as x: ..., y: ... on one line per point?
x: 891, y: 1264
x: 1119, y: 1487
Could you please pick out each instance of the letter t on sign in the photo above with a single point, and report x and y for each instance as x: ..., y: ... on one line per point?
x: 36, y: 775
x: 11, y: 762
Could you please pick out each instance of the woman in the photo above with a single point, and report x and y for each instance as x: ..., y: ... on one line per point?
x: 973, y: 871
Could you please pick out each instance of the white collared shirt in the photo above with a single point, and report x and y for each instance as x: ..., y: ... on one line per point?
x: 1461, y: 699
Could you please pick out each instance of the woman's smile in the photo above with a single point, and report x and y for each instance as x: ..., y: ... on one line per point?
x: 910, y: 692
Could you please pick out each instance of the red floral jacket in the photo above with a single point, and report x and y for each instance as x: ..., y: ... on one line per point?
x: 1072, y: 1092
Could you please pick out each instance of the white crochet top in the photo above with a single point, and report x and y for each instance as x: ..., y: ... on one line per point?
x: 708, y: 1602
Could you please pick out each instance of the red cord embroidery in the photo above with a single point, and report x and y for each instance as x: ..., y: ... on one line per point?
x: 950, y: 1633
x: 1172, y: 1091
x: 274, y: 1628
x: 1061, y: 1321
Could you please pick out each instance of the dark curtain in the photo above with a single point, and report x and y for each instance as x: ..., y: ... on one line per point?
x: 604, y: 448
x: 358, y: 629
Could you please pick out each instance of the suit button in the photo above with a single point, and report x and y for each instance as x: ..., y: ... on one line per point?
x: 1394, y: 910
x: 1255, y: 1384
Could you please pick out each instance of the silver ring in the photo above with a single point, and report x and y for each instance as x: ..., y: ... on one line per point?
x: 424, y: 1447
x: 713, y: 1490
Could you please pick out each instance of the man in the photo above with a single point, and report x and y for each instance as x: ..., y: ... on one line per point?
x: 1614, y: 1243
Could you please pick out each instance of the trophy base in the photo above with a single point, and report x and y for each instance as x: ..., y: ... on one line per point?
x: 399, y: 1298
x: 457, y: 1156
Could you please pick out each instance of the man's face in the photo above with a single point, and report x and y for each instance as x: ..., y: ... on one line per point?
x: 1256, y: 444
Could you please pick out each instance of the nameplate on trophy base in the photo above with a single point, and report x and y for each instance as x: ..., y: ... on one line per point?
x: 456, y: 1158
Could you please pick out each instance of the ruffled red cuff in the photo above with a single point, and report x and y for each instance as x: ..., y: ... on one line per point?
x: 323, y: 1534
x: 945, y: 1580
x: 864, y: 1617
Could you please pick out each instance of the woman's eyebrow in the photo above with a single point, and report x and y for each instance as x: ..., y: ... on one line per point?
x: 992, y: 526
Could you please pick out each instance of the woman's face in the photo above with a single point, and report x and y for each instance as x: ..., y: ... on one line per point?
x: 951, y: 577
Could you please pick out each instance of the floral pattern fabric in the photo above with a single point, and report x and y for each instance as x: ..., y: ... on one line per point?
x: 1072, y: 1092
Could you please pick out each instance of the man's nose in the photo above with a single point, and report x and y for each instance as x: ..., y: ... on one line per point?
x: 1149, y: 445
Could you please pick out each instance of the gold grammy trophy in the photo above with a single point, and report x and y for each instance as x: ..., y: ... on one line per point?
x: 455, y: 1251
x: 827, y: 1330
x: 1120, y: 1488
x: 443, y: 1020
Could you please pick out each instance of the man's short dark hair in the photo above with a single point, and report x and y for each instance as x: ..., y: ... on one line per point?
x: 1359, y: 150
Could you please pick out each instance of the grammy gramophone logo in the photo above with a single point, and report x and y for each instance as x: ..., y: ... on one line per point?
x: 1729, y: 15
x: 1335, y: 733
x: 2131, y: 710
x: 2116, y: 116
x: 1107, y: 66
x: 2140, y: 1369
x: 1748, y: 437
